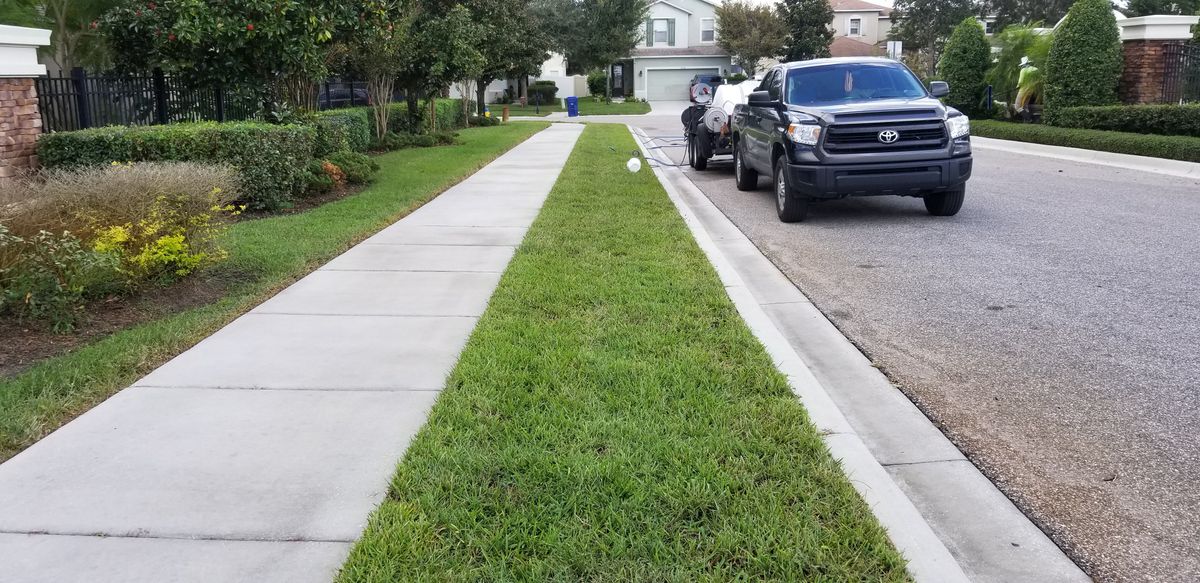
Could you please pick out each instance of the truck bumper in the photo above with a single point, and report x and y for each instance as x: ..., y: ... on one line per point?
x: 900, y: 178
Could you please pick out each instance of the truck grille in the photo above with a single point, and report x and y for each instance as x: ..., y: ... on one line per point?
x: 862, y: 138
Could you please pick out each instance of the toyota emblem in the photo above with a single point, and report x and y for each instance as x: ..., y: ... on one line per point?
x: 889, y: 136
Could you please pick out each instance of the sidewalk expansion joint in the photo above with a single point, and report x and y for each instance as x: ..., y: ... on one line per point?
x: 957, y: 459
x: 180, y: 537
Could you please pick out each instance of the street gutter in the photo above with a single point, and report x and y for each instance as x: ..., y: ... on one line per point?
x: 1143, y: 163
x: 947, y: 519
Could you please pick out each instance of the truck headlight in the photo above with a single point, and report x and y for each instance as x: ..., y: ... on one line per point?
x: 803, y: 133
x: 959, y: 126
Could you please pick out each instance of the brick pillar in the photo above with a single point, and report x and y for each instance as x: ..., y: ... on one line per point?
x: 20, y: 124
x: 1142, y: 79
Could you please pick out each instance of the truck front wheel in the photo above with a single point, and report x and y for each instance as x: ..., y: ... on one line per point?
x: 947, y: 203
x: 791, y: 207
x: 744, y: 177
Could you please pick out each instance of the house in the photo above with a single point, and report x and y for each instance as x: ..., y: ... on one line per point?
x: 680, y: 42
x: 860, y: 28
x: 554, y: 69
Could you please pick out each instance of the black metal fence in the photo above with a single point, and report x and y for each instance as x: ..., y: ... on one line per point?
x: 1181, y: 73
x: 81, y: 101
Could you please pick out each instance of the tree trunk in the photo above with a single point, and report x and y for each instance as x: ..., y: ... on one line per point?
x: 932, y: 68
x: 379, y: 89
x: 480, y: 95
x: 414, y: 109
x: 432, y: 112
x: 608, y: 85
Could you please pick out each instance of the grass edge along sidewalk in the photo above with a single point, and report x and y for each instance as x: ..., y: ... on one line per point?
x: 1184, y: 148
x: 613, y: 418
x: 267, y: 254
x: 587, y: 106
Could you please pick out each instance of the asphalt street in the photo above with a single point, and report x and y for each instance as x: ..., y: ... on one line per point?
x: 1050, y: 329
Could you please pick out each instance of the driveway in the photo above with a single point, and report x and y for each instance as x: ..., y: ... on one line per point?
x: 1049, y: 329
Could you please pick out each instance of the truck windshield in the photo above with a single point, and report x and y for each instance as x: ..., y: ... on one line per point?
x: 842, y: 83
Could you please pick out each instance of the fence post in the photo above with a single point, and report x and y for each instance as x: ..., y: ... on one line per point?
x: 327, y: 102
x: 160, y: 96
x: 219, y: 101
x: 82, y: 107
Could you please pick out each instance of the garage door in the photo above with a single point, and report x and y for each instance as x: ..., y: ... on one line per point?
x: 672, y: 85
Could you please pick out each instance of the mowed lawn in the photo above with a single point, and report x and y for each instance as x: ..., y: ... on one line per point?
x: 587, y: 106
x: 264, y: 256
x: 613, y: 419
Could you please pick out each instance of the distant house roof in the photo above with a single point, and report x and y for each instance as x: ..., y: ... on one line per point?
x: 699, y: 51
x: 847, y: 47
x: 859, y: 6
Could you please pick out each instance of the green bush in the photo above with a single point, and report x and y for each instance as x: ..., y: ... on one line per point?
x: 1085, y: 61
x: 343, y: 129
x: 1166, y: 120
x: 449, y: 116
x: 401, y: 140
x: 485, y: 122
x: 359, y: 168
x: 270, y: 159
x: 736, y: 78
x: 543, y: 92
x: 318, y: 180
x: 1186, y: 148
x: 964, y: 64
x: 51, y: 277
x: 597, y: 81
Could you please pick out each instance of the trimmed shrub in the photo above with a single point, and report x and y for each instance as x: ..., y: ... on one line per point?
x: 964, y: 64
x: 320, y: 177
x: 270, y: 159
x: 736, y: 78
x: 597, y: 81
x: 401, y: 140
x: 343, y: 129
x: 50, y: 277
x: 1184, y: 148
x: 1166, y: 120
x: 1085, y: 61
x: 544, y: 91
x: 359, y: 168
x: 483, y: 121
x: 449, y: 116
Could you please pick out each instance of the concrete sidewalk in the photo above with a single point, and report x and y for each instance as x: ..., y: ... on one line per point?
x: 258, y: 454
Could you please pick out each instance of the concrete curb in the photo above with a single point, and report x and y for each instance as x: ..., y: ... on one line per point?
x: 1143, y: 163
x: 928, y: 558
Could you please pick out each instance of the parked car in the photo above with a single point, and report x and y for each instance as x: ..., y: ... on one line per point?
x: 832, y: 128
x: 336, y: 94
x: 702, y: 87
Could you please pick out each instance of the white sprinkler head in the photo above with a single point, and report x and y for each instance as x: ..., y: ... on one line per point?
x: 634, y: 164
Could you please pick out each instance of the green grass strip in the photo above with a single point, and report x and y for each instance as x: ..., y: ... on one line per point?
x: 613, y: 419
x: 1186, y: 148
x: 265, y: 255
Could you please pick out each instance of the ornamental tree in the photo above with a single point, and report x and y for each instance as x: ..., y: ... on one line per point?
x: 749, y: 33
x: 279, y: 45
x: 808, y: 31
x: 924, y: 24
x: 378, y: 49
x: 1085, y: 62
x: 964, y: 65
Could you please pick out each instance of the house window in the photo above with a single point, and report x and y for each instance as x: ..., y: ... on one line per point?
x: 708, y: 32
x: 660, y: 31
x: 989, y: 27
x: 855, y: 28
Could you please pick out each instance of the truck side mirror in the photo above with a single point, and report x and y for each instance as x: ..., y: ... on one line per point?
x: 939, y: 88
x: 760, y: 99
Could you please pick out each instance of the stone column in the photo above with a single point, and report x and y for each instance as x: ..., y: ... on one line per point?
x: 20, y: 121
x: 1142, y: 41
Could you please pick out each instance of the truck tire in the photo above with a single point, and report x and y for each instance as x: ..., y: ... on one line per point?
x: 791, y: 206
x: 743, y: 176
x: 947, y: 203
x: 699, y: 161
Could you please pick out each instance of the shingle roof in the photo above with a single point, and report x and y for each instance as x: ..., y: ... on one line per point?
x: 860, y: 6
x: 703, y: 50
x: 848, y: 47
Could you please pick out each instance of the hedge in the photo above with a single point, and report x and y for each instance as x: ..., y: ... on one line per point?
x: 963, y: 65
x: 270, y: 159
x: 1166, y: 120
x: 343, y: 129
x: 1186, y: 148
x: 1085, y: 62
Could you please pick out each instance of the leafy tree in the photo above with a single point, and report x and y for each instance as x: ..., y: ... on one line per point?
x: 808, y: 31
x: 749, y: 33
x: 593, y: 34
x: 1196, y: 31
x: 280, y: 45
x: 448, y: 53
x: 1084, y: 65
x: 379, y: 49
x: 964, y: 64
x: 512, y: 41
x: 1024, y: 11
x: 925, y: 24
x: 1148, y: 7
x: 74, y: 41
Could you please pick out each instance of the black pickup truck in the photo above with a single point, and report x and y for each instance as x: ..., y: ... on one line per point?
x: 831, y: 128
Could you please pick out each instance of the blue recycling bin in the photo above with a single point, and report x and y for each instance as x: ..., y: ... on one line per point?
x: 572, y: 107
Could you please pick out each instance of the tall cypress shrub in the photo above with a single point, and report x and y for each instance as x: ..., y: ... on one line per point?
x: 964, y: 65
x: 1085, y: 59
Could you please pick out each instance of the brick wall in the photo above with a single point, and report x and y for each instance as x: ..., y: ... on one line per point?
x: 1142, y: 79
x: 20, y: 124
